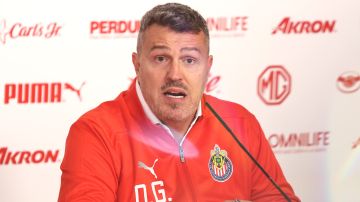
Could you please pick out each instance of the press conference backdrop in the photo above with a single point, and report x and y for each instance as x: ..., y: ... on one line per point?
x: 294, y: 64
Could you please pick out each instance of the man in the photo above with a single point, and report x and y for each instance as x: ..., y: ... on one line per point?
x: 159, y: 141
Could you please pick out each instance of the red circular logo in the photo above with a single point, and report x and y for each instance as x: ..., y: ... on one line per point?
x: 274, y: 85
x: 348, y: 82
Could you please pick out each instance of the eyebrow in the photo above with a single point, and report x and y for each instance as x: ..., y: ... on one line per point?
x: 190, y: 49
x: 163, y: 47
x: 159, y: 47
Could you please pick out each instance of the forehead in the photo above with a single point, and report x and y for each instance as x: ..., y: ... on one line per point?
x: 157, y: 35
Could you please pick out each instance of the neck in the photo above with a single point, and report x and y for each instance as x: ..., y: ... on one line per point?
x: 178, y: 127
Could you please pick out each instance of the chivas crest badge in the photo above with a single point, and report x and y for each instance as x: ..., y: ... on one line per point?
x: 220, y: 165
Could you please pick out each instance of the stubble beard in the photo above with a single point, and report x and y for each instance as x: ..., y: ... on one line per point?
x: 178, y: 111
x: 175, y: 111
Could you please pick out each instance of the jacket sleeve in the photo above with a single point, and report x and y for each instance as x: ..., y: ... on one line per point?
x: 262, y: 189
x: 90, y: 167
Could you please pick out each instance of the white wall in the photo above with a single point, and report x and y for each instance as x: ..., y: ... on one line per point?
x: 314, y: 130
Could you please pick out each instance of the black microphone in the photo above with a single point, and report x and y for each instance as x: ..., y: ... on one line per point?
x: 247, y: 152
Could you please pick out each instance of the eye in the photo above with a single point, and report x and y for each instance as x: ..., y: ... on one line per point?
x: 161, y: 58
x: 189, y: 60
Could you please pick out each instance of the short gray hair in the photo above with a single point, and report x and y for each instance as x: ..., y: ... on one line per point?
x: 178, y: 17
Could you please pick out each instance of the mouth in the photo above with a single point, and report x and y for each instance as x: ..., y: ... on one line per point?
x: 175, y: 93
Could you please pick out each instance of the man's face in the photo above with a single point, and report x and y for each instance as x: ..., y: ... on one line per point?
x: 172, y: 69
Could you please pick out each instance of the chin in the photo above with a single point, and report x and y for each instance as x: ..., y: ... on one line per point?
x: 178, y: 114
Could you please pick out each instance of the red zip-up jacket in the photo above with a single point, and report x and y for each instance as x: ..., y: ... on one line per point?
x: 114, y: 153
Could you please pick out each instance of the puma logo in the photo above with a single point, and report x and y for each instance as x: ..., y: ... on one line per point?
x: 151, y: 169
x: 70, y: 87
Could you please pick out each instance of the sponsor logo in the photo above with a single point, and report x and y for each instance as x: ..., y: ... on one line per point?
x: 121, y: 28
x: 212, y: 84
x: 36, y: 93
x: 218, y: 26
x: 20, y: 30
x: 157, y: 187
x: 274, y: 85
x: 299, y: 142
x: 150, y: 169
x: 348, y: 82
x: 356, y: 144
x: 28, y: 157
x: 220, y: 165
x: 287, y: 26
x: 227, y: 26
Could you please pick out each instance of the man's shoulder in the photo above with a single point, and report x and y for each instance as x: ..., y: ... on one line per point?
x: 227, y: 108
x: 105, y: 113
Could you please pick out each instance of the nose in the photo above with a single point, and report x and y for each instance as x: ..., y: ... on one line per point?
x: 174, y: 71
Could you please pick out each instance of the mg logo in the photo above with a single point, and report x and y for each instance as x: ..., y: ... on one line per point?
x: 274, y: 85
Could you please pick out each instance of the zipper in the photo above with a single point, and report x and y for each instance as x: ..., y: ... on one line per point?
x: 181, y: 151
x: 187, y: 175
x: 190, y: 185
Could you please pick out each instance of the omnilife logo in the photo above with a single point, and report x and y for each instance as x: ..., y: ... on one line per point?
x: 39, y: 93
x: 297, y: 142
x: 8, y: 157
x: 227, y: 26
x: 290, y: 26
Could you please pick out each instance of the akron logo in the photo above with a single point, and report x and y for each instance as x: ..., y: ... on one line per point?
x: 220, y: 165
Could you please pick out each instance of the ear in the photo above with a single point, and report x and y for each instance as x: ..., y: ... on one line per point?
x: 210, y: 62
x: 136, y: 62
